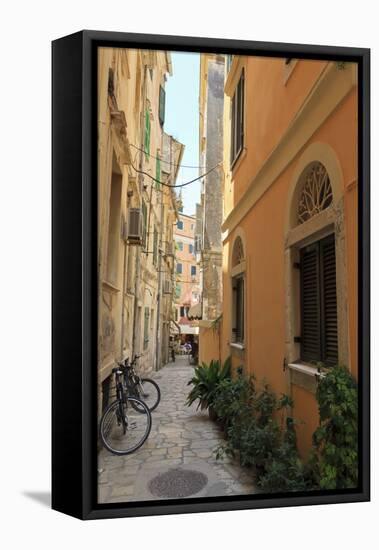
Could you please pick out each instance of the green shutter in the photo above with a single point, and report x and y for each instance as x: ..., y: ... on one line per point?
x: 162, y: 104
x: 146, y: 328
x: 158, y: 172
x: 147, y: 132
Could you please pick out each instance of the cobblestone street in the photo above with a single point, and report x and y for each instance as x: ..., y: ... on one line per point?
x: 178, y: 454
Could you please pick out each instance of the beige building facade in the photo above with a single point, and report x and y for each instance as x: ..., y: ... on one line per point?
x: 136, y: 211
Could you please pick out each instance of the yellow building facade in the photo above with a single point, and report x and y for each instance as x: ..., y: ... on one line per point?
x: 136, y: 213
x: 290, y: 224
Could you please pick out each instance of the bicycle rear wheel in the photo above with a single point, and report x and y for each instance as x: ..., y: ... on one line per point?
x: 147, y: 391
x: 124, y: 427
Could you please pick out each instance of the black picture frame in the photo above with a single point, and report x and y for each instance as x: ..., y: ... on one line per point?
x: 74, y: 272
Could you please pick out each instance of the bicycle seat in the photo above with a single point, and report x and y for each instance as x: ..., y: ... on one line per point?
x: 117, y: 369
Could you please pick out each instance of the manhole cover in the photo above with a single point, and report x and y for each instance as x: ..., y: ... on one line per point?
x: 177, y: 483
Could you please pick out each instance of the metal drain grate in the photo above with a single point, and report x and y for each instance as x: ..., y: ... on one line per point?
x: 177, y: 483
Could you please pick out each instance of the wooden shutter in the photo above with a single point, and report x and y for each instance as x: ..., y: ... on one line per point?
x: 319, y: 331
x: 310, y: 304
x: 329, y: 301
x: 158, y: 172
x: 241, y: 106
x: 162, y: 105
x: 233, y: 131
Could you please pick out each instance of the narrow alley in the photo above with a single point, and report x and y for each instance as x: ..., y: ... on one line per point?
x: 178, y: 459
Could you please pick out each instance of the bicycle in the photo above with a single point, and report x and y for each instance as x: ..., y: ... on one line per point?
x: 145, y: 389
x: 126, y: 423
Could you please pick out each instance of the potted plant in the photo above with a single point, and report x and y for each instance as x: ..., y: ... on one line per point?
x: 205, y: 384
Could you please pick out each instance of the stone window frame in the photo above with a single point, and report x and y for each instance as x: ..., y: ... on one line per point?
x: 331, y: 220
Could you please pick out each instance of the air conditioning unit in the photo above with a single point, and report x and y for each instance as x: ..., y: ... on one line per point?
x: 135, y: 226
x: 167, y: 288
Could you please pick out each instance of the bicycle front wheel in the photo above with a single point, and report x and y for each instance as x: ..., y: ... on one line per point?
x: 123, y: 429
x: 148, y: 391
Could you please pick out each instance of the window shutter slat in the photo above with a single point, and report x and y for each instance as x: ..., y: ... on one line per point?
x: 330, y: 328
x: 310, y: 304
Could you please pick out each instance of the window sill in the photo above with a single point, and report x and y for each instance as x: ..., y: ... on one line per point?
x: 305, y: 376
x: 237, y: 346
x: 306, y: 369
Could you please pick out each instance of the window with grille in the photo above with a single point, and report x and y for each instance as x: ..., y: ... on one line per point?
x: 237, y: 129
x: 238, y: 327
x: 319, y: 331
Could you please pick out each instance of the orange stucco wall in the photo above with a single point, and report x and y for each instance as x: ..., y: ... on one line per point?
x: 209, y: 344
x: 270, y: 107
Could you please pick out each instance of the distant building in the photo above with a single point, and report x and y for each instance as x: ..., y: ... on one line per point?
x: 209, y: 213
x: 136, y: 214
x: 187, y: 290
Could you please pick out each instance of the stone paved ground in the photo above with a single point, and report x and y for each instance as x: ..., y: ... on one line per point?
x: 181, y: 438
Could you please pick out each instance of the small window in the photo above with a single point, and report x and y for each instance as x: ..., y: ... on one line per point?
x: 238, y: 326
x: 179, y: 268
x: 193, y: 270
x: 190, y: 248
x: 180, y: 245
x: 237, y: 130
x: 180, y: 224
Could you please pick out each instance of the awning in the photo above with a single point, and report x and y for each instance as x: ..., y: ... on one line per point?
x: 194, y: 312
x: 185, y: 329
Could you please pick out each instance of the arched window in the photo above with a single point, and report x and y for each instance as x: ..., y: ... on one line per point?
x: 318, y: 288
x: 238, y: 290
x: 315, y: 192
x: 238, y: 254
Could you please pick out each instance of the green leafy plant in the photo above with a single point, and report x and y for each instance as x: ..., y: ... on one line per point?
x: 205, y: 382
x: 284, y: 470
x: 334, y: 461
